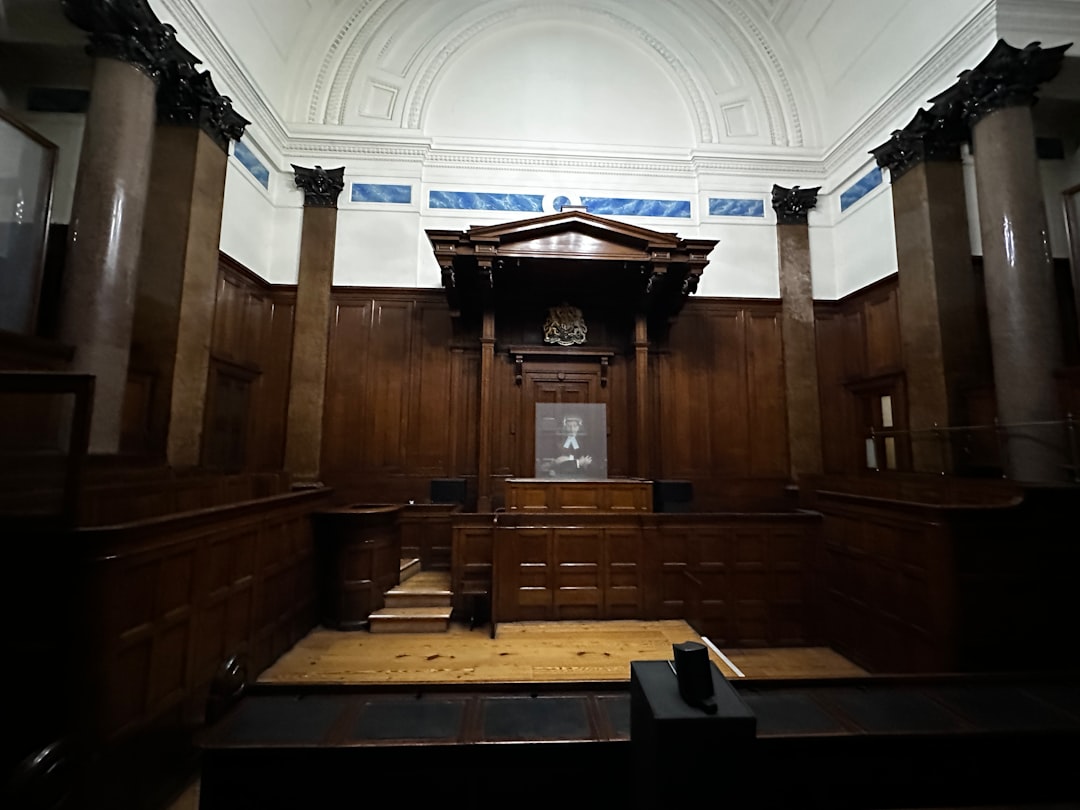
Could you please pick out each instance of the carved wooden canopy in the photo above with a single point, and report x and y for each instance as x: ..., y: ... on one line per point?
x: 574, y: 254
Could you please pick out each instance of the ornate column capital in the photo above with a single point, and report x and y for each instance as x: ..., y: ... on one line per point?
x: 127, y: 30
x: 187, y: 96
x: 321, y: 186
x: 1006, y: 77
x: 926, y: 137
x: 793, y: 204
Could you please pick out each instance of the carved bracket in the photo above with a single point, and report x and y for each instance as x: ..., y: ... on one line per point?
x: 321, y: 186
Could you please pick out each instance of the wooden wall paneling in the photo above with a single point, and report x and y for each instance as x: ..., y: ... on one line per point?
x: 667, y: 560
x: 347, y: 412
x: 471, y: 559
x: 228, y: 315
x: 888, y: 584
x: 750, y: 590
x: 426, y: 534
x: 271, y: 393
x: 793, y: 619
x: 685, y: 415
x: 486, y: 425
x: 619, y: 396
x: 884, y: 350
x: 390, y: 358
x: 711, y: 573
x: 578, y: 567
x: 727, y: 412
x: 768, y: 432
x: 524, y: 582
x: 464, y: 411
x: 624, y: 573
x: 839, y: 447
x: 507, y: 434
x: 428, y: 435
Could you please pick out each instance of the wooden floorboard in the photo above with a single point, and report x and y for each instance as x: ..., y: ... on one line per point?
x: 525, y: 652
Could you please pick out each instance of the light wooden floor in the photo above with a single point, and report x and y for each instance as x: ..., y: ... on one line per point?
x: 525, y: 652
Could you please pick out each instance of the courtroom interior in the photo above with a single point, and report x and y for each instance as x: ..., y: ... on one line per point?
x: 389, y: 387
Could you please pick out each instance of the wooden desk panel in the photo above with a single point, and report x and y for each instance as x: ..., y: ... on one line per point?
x: 612, y: 495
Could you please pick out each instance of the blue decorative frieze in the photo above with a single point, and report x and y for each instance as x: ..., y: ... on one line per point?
x: 381, y: 193
x: 867, y: 183
x: 617, y: 206
x: 472, y: 201
x: 250, y: 162
x: 734, y: 207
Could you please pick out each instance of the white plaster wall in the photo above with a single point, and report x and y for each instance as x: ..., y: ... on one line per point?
x: 865, y: 242
x: 376, y: 248
x: 823, y: 263
x: 558, y: 82
x: 745, y: 263
x: 246, y: 220
x: 284, y: 260
x: 860, y: 50
x: 1055, y: 179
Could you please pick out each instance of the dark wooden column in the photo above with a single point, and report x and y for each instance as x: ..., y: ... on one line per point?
x: 178, y: 267
x: 797, y: 328
x: 995, y: 99
x: 938, y: 303
x: 307, y: 384
x: 483, y: 439
x: 131, y: 47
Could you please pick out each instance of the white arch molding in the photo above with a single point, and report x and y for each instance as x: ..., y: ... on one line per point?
x: 367, y: 27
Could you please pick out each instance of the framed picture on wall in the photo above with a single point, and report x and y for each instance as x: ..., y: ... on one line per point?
x: 27, y: 163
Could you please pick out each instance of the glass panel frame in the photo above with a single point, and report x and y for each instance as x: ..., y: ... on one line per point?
x: 27, y: 165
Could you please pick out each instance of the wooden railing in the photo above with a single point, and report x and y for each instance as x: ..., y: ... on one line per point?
x: 169, y: 599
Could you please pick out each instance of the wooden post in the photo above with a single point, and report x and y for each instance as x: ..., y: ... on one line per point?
x: 641, y: 395
x: 483, y: 443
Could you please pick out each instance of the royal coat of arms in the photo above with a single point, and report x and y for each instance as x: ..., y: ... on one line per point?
x: 565, y: 325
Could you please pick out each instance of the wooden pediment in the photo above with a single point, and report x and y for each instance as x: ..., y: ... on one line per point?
x: 652, y: 272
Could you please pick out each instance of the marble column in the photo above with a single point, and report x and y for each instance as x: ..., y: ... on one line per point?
x: 995, y: 99
x: 939, y: 327
x: 178, y: 273
x: 98, y: 289
x: 797, y: 329
x: 311, y: 321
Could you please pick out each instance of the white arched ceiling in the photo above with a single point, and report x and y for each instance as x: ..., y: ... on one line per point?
x: 556, y: 82
x: 386, y: 57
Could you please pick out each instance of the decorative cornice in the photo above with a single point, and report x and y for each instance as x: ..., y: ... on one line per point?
x: 126, y: 30
x: 1007, y: 77
x: 273, y: 135
x: 911, y: 93
x: 793, y: 204
x: 321, y: 186
x: 926, y: 137
x: 187, y: 96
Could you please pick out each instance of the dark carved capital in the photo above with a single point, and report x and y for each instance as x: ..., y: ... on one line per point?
x: 793, y: 204
x: 1007, y: 77
x: 187, y: 96
x: 127, y: 30
x: 926, y: 137
x: 321, y: 186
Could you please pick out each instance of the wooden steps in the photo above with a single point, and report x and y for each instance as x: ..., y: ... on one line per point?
x: 421, y: 603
